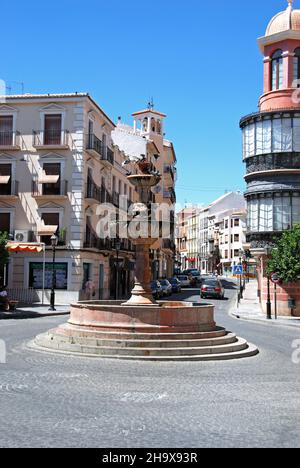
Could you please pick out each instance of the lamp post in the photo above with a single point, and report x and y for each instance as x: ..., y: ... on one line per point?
x: 269, y: 303
x: 54, y: 242
x: 241, y: 252
x: 118, y: 248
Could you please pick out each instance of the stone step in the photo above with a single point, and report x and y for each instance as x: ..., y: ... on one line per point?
x: 42, y: 343
x: 57, y: 342
x: 229, y: 338
x: 86, y: 332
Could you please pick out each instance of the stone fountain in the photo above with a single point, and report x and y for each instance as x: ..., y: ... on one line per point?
x: 141, y: 328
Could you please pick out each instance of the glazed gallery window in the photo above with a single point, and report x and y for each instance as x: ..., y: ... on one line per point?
x: 36, y: 275
x: 272, y: 136
x: 269, y: 214
x: 277, y: 70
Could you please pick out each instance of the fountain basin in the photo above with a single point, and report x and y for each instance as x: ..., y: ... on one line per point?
x: 167, y: 331
x: 163, y: 317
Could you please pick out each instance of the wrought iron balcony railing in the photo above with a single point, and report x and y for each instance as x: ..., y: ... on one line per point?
x: 53, y: 190
x: 50, y: 138
x: 9, y: 139
x: 93, y: 191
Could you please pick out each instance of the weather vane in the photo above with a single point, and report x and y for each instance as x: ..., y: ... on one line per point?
x: 151, y: 104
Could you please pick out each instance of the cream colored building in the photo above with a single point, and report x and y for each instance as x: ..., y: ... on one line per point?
x: 58, y: 165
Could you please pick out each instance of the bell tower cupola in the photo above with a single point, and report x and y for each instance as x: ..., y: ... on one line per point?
x: 149, y: 123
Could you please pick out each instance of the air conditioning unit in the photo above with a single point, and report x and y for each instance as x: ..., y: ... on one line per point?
x: 21, y: 236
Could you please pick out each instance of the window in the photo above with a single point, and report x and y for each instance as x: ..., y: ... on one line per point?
x: 50, y: 219
x: 5, y: 179
x: 5, y: 222
x: 226, y: 224
x: 53, y: 129
x: 86, y: 274
x: 277, y: 213
x: 282, y: 213
x: 36, y: 275
x: 236, y: 238
x: 236, y: 253
x: 236, y: 222
x: 6, y: 130
x: 52, y: 169
x: 253, y: 216
x: 266, y: 215
x: 277, y: 70
x: 296, y: 74
x: 296, y: 209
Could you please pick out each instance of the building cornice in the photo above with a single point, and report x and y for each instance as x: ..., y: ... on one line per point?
x: 278, y: 37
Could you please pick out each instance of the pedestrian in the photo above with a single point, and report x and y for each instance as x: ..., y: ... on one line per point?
x: 4, y: 301
x: 90, y: 289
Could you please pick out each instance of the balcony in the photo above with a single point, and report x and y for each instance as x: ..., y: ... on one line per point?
x: 106, y: 197
x: 125, y: 244
x: 10, y: 141
x: 96, y: 148
x: 168, y: 170
x: 9, y: 190
x: 92, y: 241
x: 51, y: 139
x: 43, y: 190
x: 170, y: 195
x: 262, y: 240
x: 93, y: 193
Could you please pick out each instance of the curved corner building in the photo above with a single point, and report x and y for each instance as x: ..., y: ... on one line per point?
x: 271, y: 138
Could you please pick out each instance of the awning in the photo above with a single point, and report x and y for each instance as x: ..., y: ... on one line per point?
x: 4, y: 180
x: 48, y: 179
x: 47, y: 230
x: 23, y: 247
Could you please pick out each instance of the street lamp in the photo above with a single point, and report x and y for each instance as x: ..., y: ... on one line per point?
x: 54, y: 242
x: 269, y: 303
x: 118, y: 248
x: 241, y: 253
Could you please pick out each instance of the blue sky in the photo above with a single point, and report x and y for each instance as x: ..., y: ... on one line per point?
x: 198, y: 59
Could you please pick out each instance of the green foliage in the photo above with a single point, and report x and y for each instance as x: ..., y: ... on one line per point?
x: 285, y: 257
x: 4, y: 255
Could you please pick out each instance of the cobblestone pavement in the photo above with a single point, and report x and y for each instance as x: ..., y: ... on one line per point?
x: 48, y: 400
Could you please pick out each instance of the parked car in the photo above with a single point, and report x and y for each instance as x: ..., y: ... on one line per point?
x: 166, y: 287
x: 194, y: 273
x: 185, y: 281
x: 176, y: 286
x: 212, y: 287
x: 157, y: 289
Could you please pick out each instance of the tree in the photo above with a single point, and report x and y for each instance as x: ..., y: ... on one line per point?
x: 285, y: 257
x: 4, y: 255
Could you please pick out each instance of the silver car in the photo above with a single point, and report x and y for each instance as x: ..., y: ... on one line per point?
x: 166, y: 287
x: 185, y: 281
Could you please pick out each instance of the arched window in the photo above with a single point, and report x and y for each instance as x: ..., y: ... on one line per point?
x: 277, y: 70
x: 296, y: 75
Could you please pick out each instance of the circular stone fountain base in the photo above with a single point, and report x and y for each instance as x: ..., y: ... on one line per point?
x: 168, y: 331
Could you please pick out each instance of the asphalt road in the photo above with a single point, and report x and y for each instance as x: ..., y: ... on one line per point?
x: 48, y: 400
